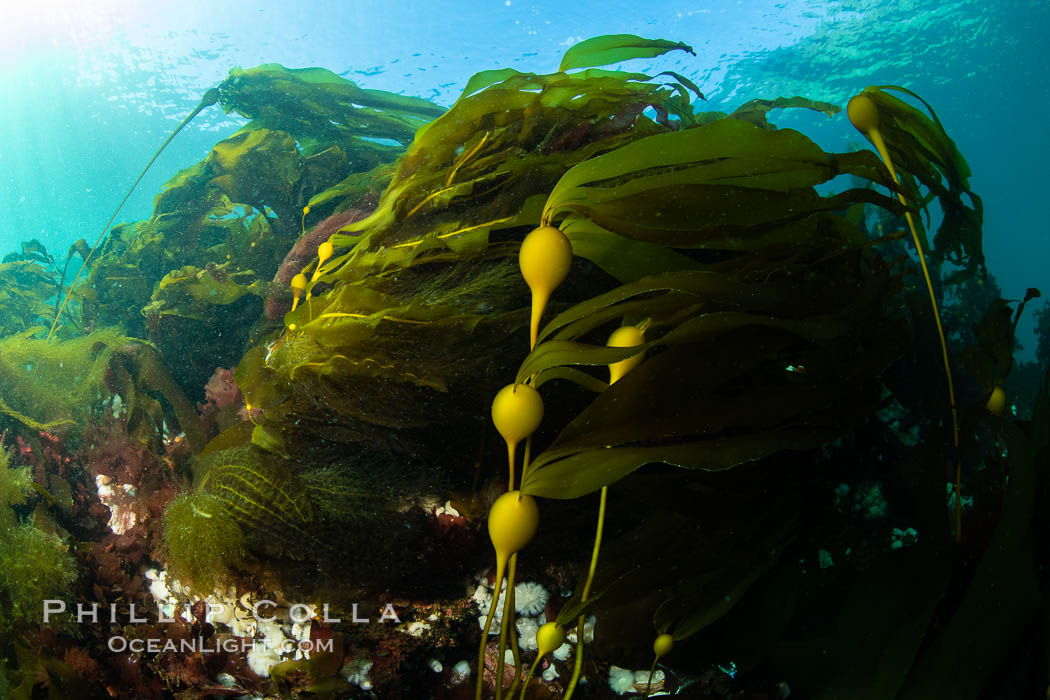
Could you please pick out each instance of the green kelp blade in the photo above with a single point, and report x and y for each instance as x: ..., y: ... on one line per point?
x: 724, y: 560
x: 674, y: 395
x: 674, y: 409
x: 504, y: 108
x: 634, y: 312
x: 712, y: 287
x: 613, y: 48
x: 703, y: 605
x: 586, y: 472
x: 685, y: 82
x: 354, y: 186
x: 866, y: 165
x: 555, y: 353
x: 709, y: 151
x: 594, y: 84
x: 558, y: 353
x: 575, y: 607
x: 581, y: 379
x: 742, y: 218
x: 237, y: 435
x: 341, y: 366
x: 480, y: 81
x: 256, y: 379
x: 1005, y: 593
x: 755, y: 111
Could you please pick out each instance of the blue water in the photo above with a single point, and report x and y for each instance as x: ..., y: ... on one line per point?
x: 88, y: 94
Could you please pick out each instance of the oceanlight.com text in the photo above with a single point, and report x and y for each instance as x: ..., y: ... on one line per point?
x: 200, y: 645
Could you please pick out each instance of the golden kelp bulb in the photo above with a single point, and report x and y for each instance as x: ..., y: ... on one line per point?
x: 662, y: 645
x: 548, y: 638
x: 324, y: 251
x: 544, y: 259
x: 625, y: 337
x: 298, y: 285
x: 996, y: 402
x: 513, y: 520
x: 517, y: 411
x: 306, y: 210
x: 863, y: 113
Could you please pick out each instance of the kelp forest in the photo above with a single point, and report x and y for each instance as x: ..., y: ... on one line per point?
x: 571, y: 389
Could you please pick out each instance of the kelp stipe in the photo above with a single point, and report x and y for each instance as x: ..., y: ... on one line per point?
x: 210, y: 98
x: 863, y: 114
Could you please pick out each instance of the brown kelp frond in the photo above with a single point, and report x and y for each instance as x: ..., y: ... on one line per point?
x: 320, y: 106
x: 634, y: 196
x: 28, y: 281
x: 614, y: 48
x: 755, y: 111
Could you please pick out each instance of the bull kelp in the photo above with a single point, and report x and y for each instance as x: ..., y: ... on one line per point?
x: 700, y: 340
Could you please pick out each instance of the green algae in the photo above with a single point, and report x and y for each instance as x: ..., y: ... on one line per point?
x: 202, y: 541
x: 34, y: 565
x: 247, y: 504
x: 45, y: 385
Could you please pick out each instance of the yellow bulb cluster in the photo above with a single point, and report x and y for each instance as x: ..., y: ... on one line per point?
x: 299, y: 283
x: 517, y: 411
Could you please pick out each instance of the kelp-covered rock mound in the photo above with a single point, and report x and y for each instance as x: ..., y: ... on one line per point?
x: 710, y: 364
x: 714, y: 233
